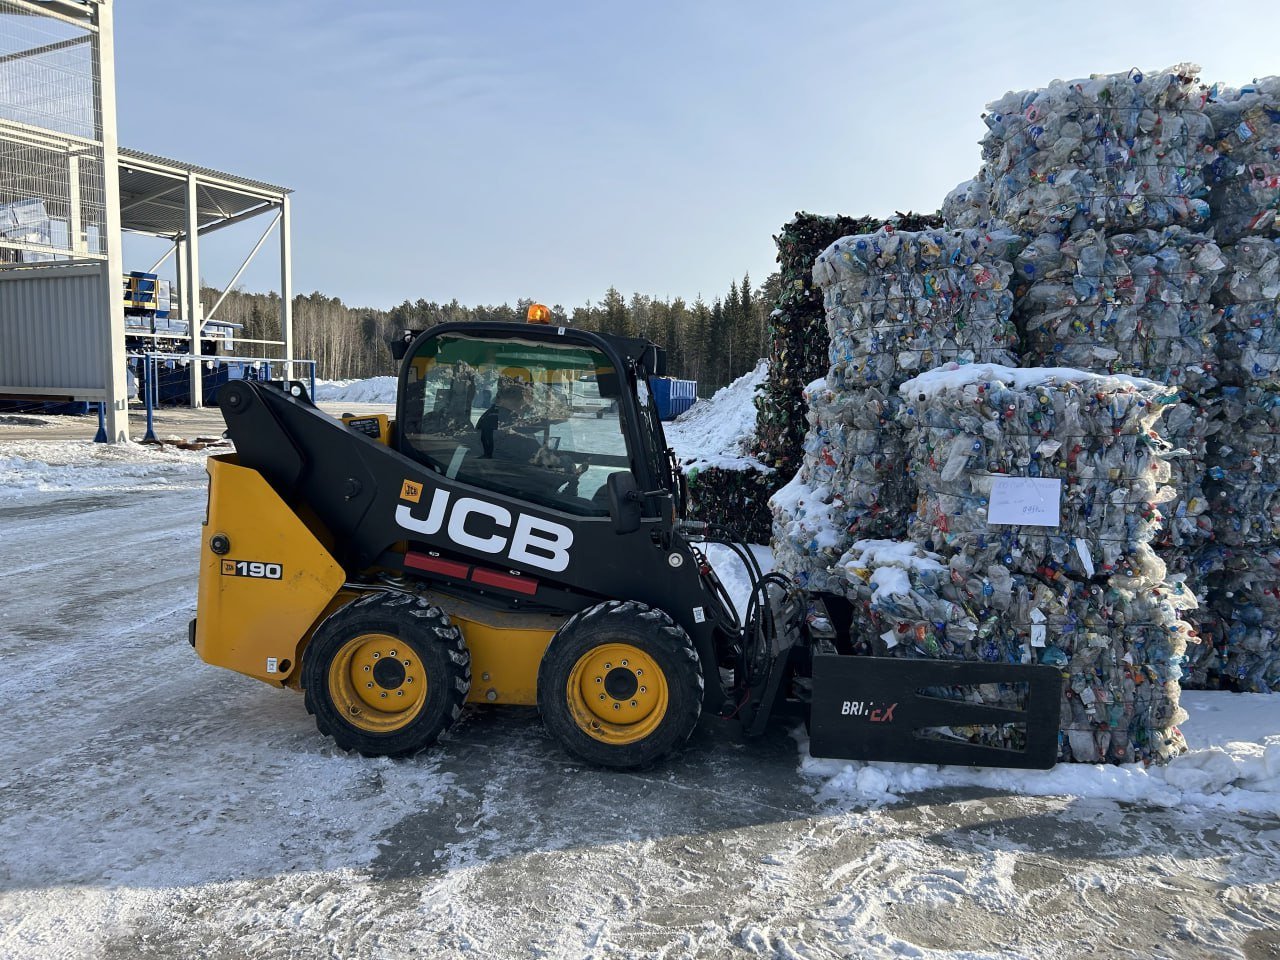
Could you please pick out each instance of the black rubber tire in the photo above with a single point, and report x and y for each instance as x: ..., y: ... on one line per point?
x: 651, y: 631
x: 420, y: 626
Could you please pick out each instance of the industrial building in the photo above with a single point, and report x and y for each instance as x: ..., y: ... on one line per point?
x: 72, y: 311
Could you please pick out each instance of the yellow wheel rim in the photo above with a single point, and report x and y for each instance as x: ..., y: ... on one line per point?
x: 377, y: 682
x: 617, y: 694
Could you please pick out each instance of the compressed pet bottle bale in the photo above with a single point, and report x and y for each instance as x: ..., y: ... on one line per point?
x: 968, y: 206
x: 1132, y: 303
x: 1197, y: 569
x: 1248, y: 300
x: 854, y: 447
x: 1115, y: 152
x: 1120, y: 642
x: 1244, y: 174
x: 1084, y: 447
x: 733, y: 499
x: 1246, y: 595
x: 808, y: 535
x: 1243, y: 475
x: 798, y: 339
x: 901, y: 303
x: 851, y: 483
x: 1188, y: 427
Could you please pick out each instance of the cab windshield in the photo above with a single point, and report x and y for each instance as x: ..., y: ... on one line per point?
x: 529, y: 419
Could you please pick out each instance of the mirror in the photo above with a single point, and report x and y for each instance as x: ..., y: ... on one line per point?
x: 624, y: 502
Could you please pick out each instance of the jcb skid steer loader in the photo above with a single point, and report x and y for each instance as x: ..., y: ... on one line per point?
x: 490, y: 546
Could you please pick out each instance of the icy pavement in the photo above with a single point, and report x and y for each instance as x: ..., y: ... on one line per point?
x: 151, y: 806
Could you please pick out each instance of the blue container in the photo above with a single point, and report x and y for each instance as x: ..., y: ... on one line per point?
x: 673, y: 397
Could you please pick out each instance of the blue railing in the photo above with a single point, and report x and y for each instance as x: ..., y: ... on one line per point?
x: 151, y: 378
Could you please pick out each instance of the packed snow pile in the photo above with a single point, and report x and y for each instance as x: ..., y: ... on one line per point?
x: 1113, y: 151
x: 715, y: 442
x: 32, y: 468
x: 721, y: 432
x: 372, y: 390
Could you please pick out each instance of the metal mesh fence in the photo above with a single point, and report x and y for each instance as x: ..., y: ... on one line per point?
x: 51, y: 157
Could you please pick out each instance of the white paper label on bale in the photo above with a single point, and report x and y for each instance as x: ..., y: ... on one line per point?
x: 1086, y: 557
x: 1028, y: 501
x: 1038, y: 630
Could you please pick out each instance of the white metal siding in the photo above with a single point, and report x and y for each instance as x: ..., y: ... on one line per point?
x: 54, y: 331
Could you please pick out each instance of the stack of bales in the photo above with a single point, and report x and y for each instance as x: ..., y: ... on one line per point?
x: 1107, y: 178
x: 1082, y: 589
x: 1244, y: 470
x: 1244, y: 172
x: 736, y: 499
x: 897, y: 304
x: 798, y: 340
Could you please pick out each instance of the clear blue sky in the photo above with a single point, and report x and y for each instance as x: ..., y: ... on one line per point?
x: 495, y: 150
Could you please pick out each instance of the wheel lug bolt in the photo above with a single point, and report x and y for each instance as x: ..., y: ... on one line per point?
x: 408, y: 679
x: 616, y: 705
x: 384, y: 696
x: 633, y: 703
x: 366, y: 668
x: 599, y: 679
x: 391, y: 654
x: 376, y: 655
x: 368, y: 684
x: 624, y: 663
x: 406, y: 663
x: 642, y: 689
x: 608, y: 666
x: 639, y: 673
x: 399, y: 693
x: 602, y: 696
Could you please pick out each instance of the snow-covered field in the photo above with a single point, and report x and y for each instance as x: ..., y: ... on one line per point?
x: 152, y: 806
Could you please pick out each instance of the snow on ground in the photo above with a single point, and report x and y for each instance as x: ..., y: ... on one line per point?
x: 33, y: 467
x: 372, y: 390
x: 154, y: 806
x: 719, y: 432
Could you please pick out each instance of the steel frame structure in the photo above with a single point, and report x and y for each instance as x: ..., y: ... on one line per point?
x: 140, y: 193
x: 181, y: 202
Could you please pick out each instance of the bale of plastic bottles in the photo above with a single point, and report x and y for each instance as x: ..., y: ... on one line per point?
x: 972, y: 429
x: 1115, y: 152
x: 1120, y: 642
x: 900, y: 303
x: 1082, y: 587
x: 1244, y: 472
x: 1246, y: 597
x: 1244, y: 172
x: 1135, y: 303
x: 1248, y: 300
x: 968, y: 205
x: 850, y: 484
x: 736, y: 500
